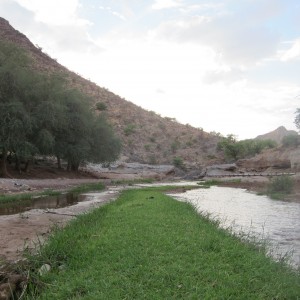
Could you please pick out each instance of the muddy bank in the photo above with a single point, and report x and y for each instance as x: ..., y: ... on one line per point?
x: 26, y: 230
x: 12, y: 186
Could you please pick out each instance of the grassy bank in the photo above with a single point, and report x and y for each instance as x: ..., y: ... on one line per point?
x: 4, y: 198
x: 147, y: 245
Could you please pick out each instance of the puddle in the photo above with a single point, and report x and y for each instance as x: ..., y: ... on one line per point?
x: 41, y: 203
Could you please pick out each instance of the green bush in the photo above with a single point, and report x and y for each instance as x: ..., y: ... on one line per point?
x: 101, y: 106
x: 129, y: 129
x: 280, y: 186
x: 178, y: 162
x: 291, y: 140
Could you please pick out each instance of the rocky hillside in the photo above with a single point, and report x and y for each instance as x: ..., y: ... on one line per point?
x: 277, y: 134
x: 146, y: 137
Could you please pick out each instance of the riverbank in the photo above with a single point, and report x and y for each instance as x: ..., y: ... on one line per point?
x: 24, y: 230
x: 146, y: 245
x: 257, y: 184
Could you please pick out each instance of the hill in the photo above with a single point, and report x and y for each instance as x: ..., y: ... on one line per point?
x: 276, y: 135
x: 146, y: 137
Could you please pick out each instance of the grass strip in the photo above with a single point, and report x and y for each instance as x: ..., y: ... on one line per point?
x: 146, y: 245
x: 4, y: 198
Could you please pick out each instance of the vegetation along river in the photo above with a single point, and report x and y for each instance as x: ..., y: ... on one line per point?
x: 252, y: 216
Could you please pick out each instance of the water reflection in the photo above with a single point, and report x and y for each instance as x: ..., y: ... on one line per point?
x: 41, y: 203
x: 276, y: 221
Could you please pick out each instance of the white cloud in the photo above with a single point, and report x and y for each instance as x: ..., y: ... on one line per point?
x: 293, y: 53
x: 114, y: 13
x: 54, y: 26
x: 54, y: 12
x: 226, y: 76
x: 235, y: 41
x: 164, y: 4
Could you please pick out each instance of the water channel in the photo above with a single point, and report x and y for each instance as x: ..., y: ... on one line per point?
x: 260, y: 217
x: 46, y: 202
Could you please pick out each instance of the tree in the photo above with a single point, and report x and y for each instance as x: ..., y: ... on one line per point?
x: 234, y: 149
x: 15, y: 122
x: 292, y: 140
x: 297, y: 118
x: 105, y: 146
x: 40, y: 114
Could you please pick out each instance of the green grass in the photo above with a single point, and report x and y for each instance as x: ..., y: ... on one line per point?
x: 209, y: 183
x: 4, y: 198
x: 132, y: 181
x: 98, y: 186
x: 146, y: 245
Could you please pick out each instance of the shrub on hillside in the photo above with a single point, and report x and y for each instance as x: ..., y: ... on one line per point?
x: 292, y: 140
x: 178, y: 162
x: 101, y: 106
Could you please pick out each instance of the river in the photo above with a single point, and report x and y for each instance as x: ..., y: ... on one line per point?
x: 258, y: 217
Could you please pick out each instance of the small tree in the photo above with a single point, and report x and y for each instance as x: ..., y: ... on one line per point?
x: 178, y: 162
x: 297, y: 118
x: 292, y: 140
x: 279, y: 186
x: 101, y: 106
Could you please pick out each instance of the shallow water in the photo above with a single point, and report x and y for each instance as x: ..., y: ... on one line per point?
x: 277, y: 222
x: 45, y: 202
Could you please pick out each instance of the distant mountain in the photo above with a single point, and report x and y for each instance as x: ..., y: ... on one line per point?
x: 277, y: 134
x: 146, y: 136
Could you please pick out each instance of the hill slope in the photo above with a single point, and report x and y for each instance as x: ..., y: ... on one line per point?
x: 146, y: 137
x: 277, y: 134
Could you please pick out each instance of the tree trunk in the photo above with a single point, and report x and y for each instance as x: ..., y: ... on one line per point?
x: 3, y: 169
x: 75, y: 167
x: 18, y: 165
x: 26, y: 166
x: 58, y: 162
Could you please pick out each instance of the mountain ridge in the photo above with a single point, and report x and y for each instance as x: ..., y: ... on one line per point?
x: 146, y: 136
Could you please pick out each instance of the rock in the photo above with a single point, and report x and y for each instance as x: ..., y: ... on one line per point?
x: 221, y: 169
x: 131, y: 171
x: 7, y: 290
x: 195, y: 174
x: 44, y: 269
x: 273, y: 159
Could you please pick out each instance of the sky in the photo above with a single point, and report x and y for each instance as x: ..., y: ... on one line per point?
x: 227, y: 66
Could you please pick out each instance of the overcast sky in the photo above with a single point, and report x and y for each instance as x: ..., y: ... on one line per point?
x: 230, y: 66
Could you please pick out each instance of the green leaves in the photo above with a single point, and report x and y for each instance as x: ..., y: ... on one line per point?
x: 234, y: 149
x: 40, y: 114
x: 297, y: 118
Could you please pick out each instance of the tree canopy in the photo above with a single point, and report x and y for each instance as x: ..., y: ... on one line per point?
x: 234, y: 149
x: 297, y: 118
x: 41, y: 115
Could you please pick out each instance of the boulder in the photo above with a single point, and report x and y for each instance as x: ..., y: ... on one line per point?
x: 221, y: 169
x: 277, y: 159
